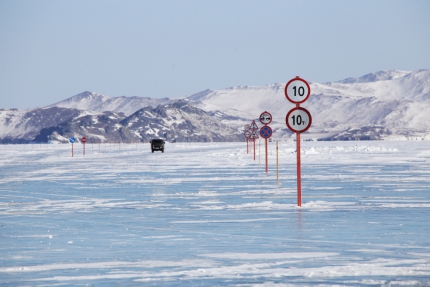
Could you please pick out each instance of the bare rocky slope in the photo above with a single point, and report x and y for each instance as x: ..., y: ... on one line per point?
x: 178, y: 121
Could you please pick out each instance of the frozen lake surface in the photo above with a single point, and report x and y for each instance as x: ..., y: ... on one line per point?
x: 207, y: 214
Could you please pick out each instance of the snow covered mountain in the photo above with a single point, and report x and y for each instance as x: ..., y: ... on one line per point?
x: 387, y: 104
x: 374, y: 77
x: 178, y: 121
x: 88, y: 101
x: 381, y: 105
x: 21, y: 126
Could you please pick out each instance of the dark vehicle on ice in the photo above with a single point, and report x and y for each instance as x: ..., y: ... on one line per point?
x: 157, y: 144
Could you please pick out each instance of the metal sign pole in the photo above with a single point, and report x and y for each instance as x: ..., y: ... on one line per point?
x: 299, y: 168
x: 254, y: 149
x: 299, y: 172
x: 267, y: 158
x: 72, y: 149
x: 247, y: 146
x: 277, y: 164
x: 259, y: 151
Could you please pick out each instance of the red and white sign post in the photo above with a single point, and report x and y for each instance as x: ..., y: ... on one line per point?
x: 298, y: 120
x: 266, y: 132
x: 254, y: 135
x: 247, y: 135
x: 84, y: 140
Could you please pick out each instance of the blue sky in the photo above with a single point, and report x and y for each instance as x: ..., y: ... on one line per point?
x: 52, y: 50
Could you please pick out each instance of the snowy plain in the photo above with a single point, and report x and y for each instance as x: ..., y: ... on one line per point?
x: 207, y: 214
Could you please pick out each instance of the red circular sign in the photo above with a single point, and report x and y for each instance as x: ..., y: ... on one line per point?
x: 265, y: 118
x: 298, y: 120
x: 84, y: 139
x: 266, y: 132
x: 297, y: 90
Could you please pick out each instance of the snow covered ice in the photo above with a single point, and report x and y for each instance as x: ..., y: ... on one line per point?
x: 207, y: 214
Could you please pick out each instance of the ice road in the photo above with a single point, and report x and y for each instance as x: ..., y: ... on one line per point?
x: 207, y: 214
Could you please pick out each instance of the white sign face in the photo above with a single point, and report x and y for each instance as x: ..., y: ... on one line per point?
x: 254, y: 135
x: 298, y: 120
x: 297, y: 90
x: 265, y: 118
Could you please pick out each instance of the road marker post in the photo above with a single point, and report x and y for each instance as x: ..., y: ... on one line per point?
x: 254, y: 135
x: 247, y: 134
x: 277, y: 164
x: 84, y: 140
x: 259, y: 151
x: 72, y: 140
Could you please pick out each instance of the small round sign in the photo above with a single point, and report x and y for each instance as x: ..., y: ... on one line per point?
x: 72, y: 140
x: 265, y: 118
x: 297, y: 90
x: 266, y: 132
x: 84, y: 139
x: 298, y: 120
x: 247, y: 127
x: 247, y: 134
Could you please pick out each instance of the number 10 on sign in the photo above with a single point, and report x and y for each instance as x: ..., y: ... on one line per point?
x: 298, y: 120
x: 297, y: 90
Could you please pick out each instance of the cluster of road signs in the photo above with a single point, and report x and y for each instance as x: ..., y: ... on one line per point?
x: 266, y: 131
x: 72, y: 140
x: 251, y: 131
x: 298, y: 119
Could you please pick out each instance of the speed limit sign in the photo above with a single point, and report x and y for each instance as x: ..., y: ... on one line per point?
x: 298, y: 120
x: 297, y: 90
